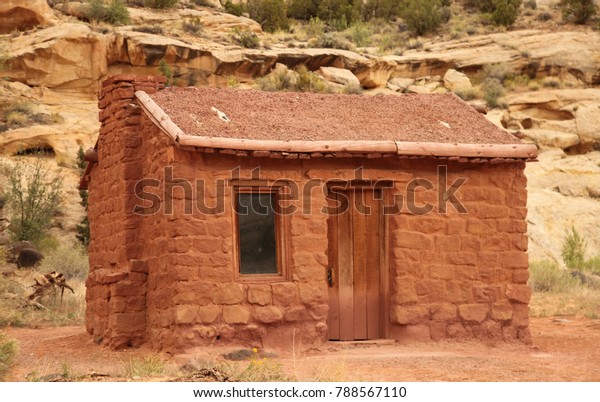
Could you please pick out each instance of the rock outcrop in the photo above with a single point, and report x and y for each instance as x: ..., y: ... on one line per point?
x: 21, y: 15
x: 571, y: 55
x: 563, y: 118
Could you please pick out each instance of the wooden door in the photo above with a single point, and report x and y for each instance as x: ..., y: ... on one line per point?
x: 355, y: 274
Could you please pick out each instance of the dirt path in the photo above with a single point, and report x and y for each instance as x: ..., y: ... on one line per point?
x: 564, y: 349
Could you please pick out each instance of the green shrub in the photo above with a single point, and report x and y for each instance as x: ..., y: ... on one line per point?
x: 149, y: 366
x: 234, y: 9
x: 8, y: 352
x: 270, y: 14
x: 422, y: 16
x: 303, y: 9
x: 579, y: 10
x: 544, y: 16
x: 360, y: 33
x: 333, y: 41
x: 307, y: 81
x: 352, y: 89
x: 386, y: 9
x: 83, y: 227
x: 246, y: 39
x: 154, y: 29
x: 165, y: 70
x: 4, y: 58
x: 280, y: 80
x: 161, y: 4
x: 16, y: 119
x: 315, y: 28
x: 499, y: 71
x: 573, y: 249
x: 493, y: 90
x: 505, y: 12
x: 194, y: 26
x: 339, y: 13
x: 546, y: 276
x: 114, y: 13
x: 33, y: 198
x: 300, y: 80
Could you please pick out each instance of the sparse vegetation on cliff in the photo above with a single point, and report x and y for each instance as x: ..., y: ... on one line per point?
x: 33, y: 197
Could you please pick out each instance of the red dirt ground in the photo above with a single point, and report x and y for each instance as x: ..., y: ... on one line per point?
x: 563, y: 349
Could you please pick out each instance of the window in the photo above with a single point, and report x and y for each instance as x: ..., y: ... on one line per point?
x: 259, y: 233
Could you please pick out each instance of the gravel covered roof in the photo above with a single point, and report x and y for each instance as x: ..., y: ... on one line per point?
x: 259, y: 115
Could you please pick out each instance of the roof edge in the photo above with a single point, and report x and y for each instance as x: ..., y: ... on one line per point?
x: 401, y: 148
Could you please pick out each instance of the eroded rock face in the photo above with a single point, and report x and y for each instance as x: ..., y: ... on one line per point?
x: 563, y: 118
x: 536, y: 53
x: 22, y: 15
x: 563, y: 191
x: 68, y: 57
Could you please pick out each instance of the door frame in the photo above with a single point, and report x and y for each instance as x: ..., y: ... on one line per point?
x: 384, y: 267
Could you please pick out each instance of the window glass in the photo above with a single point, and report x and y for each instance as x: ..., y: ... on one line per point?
x: 256, y: 233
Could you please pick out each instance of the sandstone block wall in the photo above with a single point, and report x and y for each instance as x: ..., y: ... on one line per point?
x: 168, y: 277
x: 116, y: 285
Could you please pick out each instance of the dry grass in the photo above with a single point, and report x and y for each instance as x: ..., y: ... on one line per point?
x: 558, y: 292
x: 148, y: 366
x: 68, y: 310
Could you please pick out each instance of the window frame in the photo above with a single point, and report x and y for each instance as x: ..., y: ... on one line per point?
x: 281, y: 233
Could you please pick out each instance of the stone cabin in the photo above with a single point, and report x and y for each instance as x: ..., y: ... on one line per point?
x: 224, y: 216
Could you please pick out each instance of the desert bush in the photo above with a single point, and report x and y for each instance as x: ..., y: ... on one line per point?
x: 302, y: 9
x: 149, y: 29
x: 544, y: 16
x: 578, y: 10
x: 551, y: 82
x: 530, y: 4
x: 339, y: 14
x: 467, y: 93
x: 165, y: 70
x: 352, y: 89
x: 386, y: 9
x: 246, y: 39
x: 16, y: 119
x: 8, y: 352
x: 333, y: 41
x: 83, y: 227
x: 148, y: 366
x: 114, y: 12
x: 204, y: 3
x: 259, y: 369
x: 280, y: 80
x: 270, y: 14
x: 493, y: 90
x: 33, y: 196
x: 505, y: 12
x: 573, y: 249
x: 360, y: 34
x: 193, y: 26
x: 546, y: 276
x: 499, y: 71
x: 4, y: 57
x: 233, y: 8
x: 161, y: 4
x: 300, y: 80
x: 307, y: 81
x: 422, y: 16
x: 71, y: 260
x: 315, y: 28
